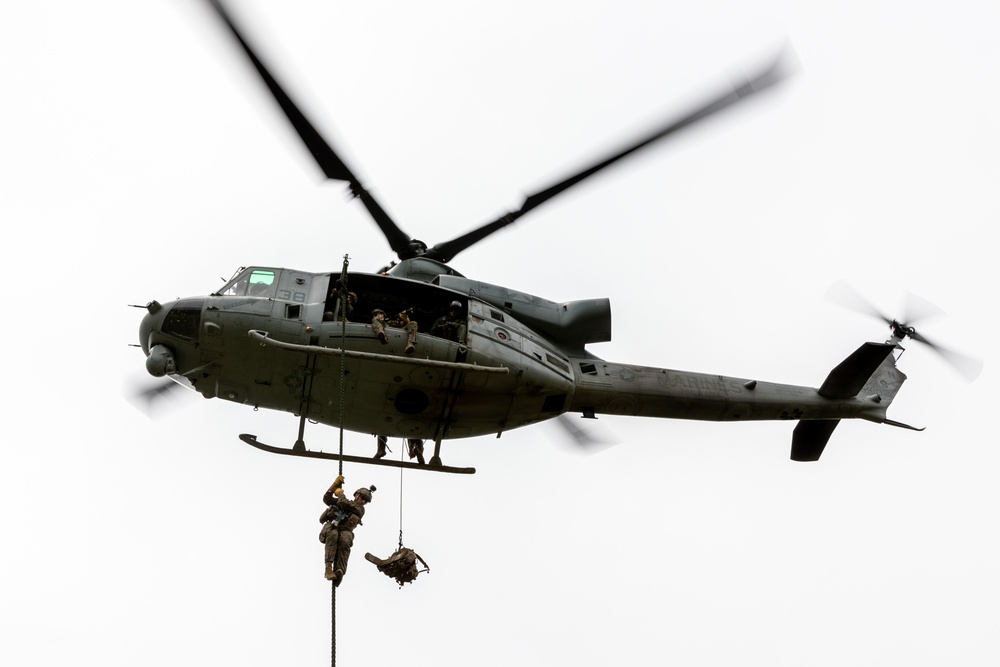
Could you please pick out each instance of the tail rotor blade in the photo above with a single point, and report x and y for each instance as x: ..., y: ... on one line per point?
x: 843, y: 294
x: 968, y: 367
x: 916, y: 309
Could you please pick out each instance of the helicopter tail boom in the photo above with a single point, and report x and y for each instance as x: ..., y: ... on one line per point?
x: 860, y: 387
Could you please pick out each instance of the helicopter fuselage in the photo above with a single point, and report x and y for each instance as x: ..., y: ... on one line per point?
x: 273, y: 338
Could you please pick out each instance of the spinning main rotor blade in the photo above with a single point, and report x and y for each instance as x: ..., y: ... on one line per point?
x: 774, y: 73
x: 331, y: 164
x: 587, y: 437
x: 404, y: 247
x: 158, y: 398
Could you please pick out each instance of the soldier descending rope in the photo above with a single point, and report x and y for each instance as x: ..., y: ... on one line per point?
x: 339, y: 519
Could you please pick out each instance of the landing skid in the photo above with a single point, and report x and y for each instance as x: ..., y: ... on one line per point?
x: 252, y: 440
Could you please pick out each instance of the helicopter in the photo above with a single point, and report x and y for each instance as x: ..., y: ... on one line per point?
x: 305, y: 343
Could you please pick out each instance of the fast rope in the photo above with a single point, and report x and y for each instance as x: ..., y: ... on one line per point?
x: 343, y: 354
x: 343, y: 384
x: 401, y: 450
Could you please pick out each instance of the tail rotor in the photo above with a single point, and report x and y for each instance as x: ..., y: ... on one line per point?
x: 915, y: 309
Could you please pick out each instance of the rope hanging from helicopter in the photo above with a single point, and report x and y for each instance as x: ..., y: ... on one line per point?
x: 340, y: 470
x: 402, y: 565
x: 343, y: 358
x: 400, y: 502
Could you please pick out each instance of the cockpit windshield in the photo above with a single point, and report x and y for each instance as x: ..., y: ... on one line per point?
x: 251, y: 282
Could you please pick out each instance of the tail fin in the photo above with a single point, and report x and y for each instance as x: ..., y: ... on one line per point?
x: 858, y: 371
x: 810, y: 437
x: 871, y: 371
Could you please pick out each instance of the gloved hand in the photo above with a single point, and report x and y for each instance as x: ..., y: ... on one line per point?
x: 337, y: 483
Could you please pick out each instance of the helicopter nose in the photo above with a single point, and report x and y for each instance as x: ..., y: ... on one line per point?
x: 150, y: 323
x: 169, y: 335
x: 159, y: 358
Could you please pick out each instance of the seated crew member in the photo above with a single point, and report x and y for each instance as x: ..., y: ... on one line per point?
x: 402, y: 321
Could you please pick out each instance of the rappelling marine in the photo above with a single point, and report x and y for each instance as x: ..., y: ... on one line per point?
x: 341, y: 516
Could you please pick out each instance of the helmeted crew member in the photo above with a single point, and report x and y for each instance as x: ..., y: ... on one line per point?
x: 451, y: 326
x: 341, y: 516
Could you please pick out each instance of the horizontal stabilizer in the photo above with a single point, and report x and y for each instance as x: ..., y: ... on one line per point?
x: 851, y: 375
x: 810, y: 437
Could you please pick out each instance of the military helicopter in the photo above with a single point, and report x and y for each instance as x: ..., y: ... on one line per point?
x: 304, y: 343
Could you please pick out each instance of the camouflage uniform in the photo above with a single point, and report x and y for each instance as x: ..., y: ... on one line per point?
x: 334, y: 304
x: 403, y: 321
x: 339, y: 520
x: 450, y: 326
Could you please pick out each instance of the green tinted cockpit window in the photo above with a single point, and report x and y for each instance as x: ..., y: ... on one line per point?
x: 251, y: 282
x: 261, y: 283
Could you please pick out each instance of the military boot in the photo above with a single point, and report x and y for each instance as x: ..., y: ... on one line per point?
x: 415, y: 448
x: 329, y: 571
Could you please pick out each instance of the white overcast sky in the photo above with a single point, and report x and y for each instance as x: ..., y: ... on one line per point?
x: 142, y: 160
